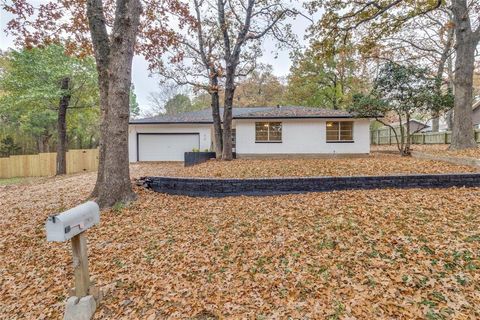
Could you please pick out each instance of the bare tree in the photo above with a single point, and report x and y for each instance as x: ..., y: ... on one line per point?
x: 195, y: 60
x: 242, y: 23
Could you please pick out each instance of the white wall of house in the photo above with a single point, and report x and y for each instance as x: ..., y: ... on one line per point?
x: 302, y: 136
x: 204, y: 130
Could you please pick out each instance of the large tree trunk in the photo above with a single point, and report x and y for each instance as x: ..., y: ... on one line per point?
x: 101, y: 46
x: 217, y: 121
x: 62, y: 128
x: 117, y: 186
x: 227, y: 114
x: 466, y: 41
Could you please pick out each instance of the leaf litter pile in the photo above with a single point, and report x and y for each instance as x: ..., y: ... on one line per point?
x: 377, y: 254
x: 375, y: 164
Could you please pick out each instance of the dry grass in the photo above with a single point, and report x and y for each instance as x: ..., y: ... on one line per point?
x: 376, y: 164
x: 379, y: 254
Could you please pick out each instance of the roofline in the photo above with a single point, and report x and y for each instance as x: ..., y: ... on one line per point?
x: 172, y: 122
x: 298, y: 117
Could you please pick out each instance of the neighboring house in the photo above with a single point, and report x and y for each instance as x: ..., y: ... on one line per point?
x: 415, y: 126
x: 476, y: 115
x: 271, y: 131
x: 443, y: 123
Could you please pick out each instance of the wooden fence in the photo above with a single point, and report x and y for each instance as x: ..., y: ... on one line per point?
x: 44, y: 164
x: 387, y: 136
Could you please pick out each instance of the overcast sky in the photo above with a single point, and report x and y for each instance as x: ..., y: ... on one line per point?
x: 146, y: 83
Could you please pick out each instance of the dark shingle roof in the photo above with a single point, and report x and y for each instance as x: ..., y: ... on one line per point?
x: 284, y: 112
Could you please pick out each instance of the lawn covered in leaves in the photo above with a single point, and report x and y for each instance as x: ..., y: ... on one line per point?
x: 436, y: 149
x: 378, y: 254
x: 375, y: 164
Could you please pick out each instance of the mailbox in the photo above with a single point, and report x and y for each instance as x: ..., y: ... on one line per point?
x: 66, y: 225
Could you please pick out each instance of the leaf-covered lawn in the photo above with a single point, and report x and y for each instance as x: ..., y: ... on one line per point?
x: 437, y: 149
x: 375, y: 164
x: 351, y: 255
x: 10, y: 181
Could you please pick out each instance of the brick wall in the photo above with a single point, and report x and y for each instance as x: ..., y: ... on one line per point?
x: 271, y: 186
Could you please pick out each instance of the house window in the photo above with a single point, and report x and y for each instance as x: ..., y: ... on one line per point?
x: 339, y: 131
x: 268, y: 132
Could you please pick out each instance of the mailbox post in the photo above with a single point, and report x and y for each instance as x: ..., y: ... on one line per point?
x: 80, y: 265
x: 71, y: 225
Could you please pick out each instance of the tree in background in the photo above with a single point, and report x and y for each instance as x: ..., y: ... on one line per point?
x: 113, y: 49
x: 404, y: 91
x: 178, y: 104
x: 8, y: 147
x: 324, y: 75
x: 134, y: 107
x: 195, y: 60
x: 39, y: 85
x: 242, y: 24
x: 173, y: 99
x: 370, y: 21
x: 260, y: 88
x: 426, y: 41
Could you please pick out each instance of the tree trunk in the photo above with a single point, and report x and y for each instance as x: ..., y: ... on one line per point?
x: 406, y: 151
x: 117, y: 186
x: 451, y: 87
x: 40, y: 146
x: 436, y: 122
x: 217, y: 121
x: 466, y: 41
x: 44, y: 143
x: 227, y: 114
x: 62, y: 128
x: 101, y: 46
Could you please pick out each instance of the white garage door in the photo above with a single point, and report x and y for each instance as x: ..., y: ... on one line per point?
x: 166, y: 147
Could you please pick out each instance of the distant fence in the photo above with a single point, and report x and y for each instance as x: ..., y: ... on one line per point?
x: 387, y: 136
x: 44, y: 164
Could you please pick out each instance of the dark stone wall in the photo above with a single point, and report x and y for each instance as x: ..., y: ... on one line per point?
x: 270, y: 186
x: 193, y: 158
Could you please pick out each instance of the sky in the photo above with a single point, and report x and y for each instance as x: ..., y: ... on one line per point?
x: 145, y: 82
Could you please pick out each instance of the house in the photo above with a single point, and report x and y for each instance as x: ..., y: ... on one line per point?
x: 260, y: 131
x: 415, y: 126
x: 476, y: 114
x: 448, y: 117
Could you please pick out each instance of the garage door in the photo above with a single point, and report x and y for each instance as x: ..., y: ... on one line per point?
x: 166, y: 147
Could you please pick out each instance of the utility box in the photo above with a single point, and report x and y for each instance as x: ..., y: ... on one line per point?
x: 66, y: 225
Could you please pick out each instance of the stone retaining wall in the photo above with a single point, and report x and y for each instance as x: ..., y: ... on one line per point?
x: 211, y: 187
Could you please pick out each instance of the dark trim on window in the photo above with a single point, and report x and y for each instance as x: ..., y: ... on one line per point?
x: 163, y: 134
x: 341, y: 141
x: 268, y: 141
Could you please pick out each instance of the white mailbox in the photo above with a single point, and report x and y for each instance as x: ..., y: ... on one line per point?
x: 70, y: 223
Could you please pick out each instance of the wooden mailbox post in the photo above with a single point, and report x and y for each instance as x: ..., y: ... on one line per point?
x: 71, y: 225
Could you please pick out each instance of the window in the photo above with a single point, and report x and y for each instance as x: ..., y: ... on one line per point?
x: 339, y: 131
x: 268, y: 132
